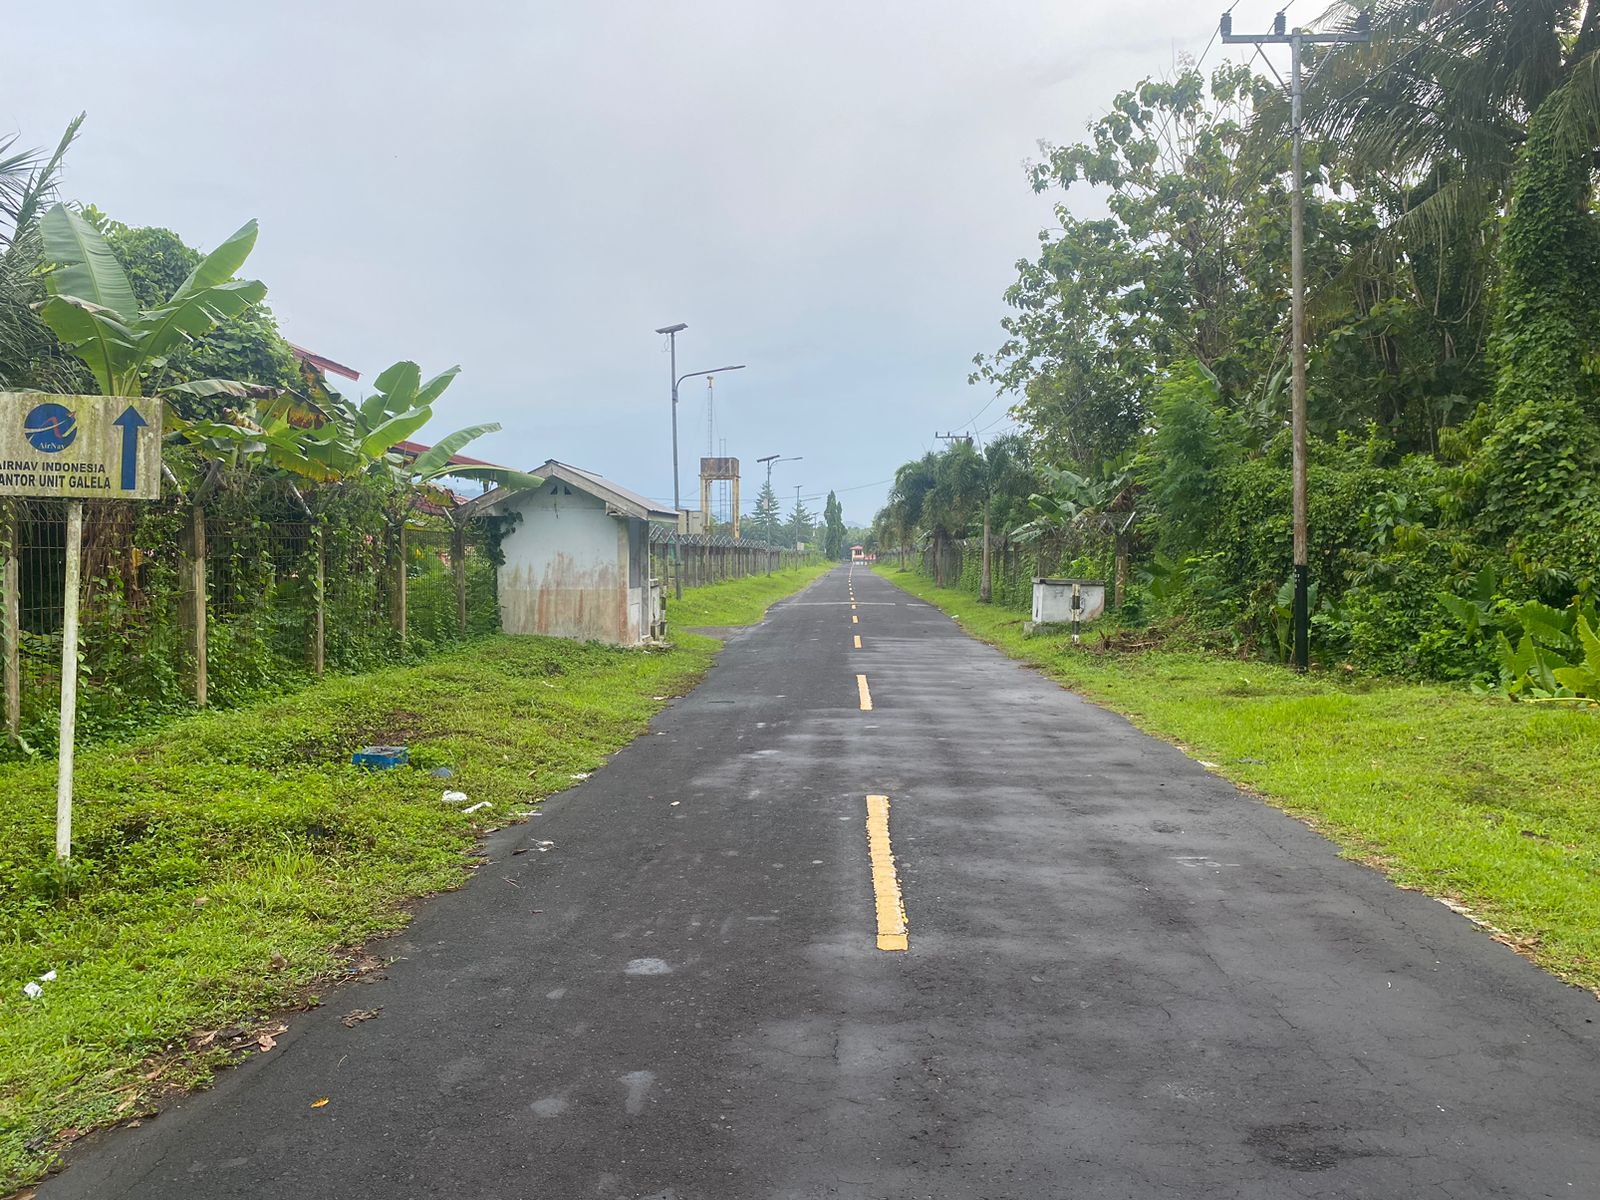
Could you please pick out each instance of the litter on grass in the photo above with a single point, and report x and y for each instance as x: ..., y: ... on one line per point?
x: 454, y: 798
x: 32, y: 990
x: 381, y: 758
x: 472, y: 808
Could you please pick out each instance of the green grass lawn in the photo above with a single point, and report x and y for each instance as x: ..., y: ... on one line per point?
x: 739, y: 601
x: 1490, y: 804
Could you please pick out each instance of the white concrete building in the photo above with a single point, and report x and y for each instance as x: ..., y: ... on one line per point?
x: 577, y: 561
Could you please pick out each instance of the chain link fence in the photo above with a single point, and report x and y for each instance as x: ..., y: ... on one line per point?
x: 682, y: 560
x: 212, y: 604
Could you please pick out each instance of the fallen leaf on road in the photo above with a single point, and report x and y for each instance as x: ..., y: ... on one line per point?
x: 357, y: 1015
x: 266, y: 1041
x: 319, y: 1103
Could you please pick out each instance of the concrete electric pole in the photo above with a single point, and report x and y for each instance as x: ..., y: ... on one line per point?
x: 1297, y: 39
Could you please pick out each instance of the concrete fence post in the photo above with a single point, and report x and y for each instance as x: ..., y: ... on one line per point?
x: 194, y: 602
x: 11, y: 619
x: 458, y: 569
x: 319, y: 616
x: 399, y: 601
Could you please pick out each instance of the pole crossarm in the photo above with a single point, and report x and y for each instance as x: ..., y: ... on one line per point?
x: 1297, y: 37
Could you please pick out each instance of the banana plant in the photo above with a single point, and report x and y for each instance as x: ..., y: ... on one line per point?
x: 317, y: 434
x: 91, y: 306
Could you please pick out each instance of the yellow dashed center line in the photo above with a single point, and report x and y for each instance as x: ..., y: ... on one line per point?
x: 866, y: 696
x: 858, y: 641
x: 885, y: 882
x: 854, y: 620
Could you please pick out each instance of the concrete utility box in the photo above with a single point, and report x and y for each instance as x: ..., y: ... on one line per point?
x: 577, y: 565
x: 1062, y: 601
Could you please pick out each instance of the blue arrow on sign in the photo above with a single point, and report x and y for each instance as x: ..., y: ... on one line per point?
x: 130, y: 422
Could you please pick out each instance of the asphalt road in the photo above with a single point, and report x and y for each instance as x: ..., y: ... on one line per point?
x: 1124, y: 979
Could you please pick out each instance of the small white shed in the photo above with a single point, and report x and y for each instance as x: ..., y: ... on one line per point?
x: 577, y: 562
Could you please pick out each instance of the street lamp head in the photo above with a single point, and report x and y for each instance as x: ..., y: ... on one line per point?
x: 678, y: 328
x: 719, y: 370
x: 768, y: 458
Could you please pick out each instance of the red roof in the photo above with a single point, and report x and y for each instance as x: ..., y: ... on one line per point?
x: 415, y: 450
x: 325, y: 365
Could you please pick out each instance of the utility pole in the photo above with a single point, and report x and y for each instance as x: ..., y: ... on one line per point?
x: 1297, y: 39
x: 769, y: 530
x: 672, y: 332
x: 774, y: 458
x: 954, y: 437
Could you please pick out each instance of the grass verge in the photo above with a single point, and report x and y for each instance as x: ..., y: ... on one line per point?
x: 1488, y: 804
x: 739, y: 601
x: 221, y: 864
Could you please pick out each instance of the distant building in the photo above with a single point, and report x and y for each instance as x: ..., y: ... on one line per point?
x: 577, y: 563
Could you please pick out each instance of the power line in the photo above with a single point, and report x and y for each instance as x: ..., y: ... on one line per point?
x: 982, y: 410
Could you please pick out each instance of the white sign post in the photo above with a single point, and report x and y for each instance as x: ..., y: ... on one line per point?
x: 77, y: 448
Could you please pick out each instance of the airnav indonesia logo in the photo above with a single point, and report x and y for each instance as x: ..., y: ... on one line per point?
x: 50, y: 428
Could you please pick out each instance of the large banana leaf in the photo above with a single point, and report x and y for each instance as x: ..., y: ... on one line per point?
x: 516, y: 481
x: 297, y: 412
x: 433, y: 460
x: 109, y: 347
x: 210, y: 389
x: 395, y: 430
x: 434, y: 388
x: 395, y: 393
x: 197, y: 314
x: 220, y: 265
x: 85, y: 266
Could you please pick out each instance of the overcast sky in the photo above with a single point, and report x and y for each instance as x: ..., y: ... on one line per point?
x: 831, y: 193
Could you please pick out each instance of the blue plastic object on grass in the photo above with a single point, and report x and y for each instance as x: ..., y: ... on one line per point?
x: 381, y: 758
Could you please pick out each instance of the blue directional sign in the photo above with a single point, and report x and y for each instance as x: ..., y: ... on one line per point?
x: 130, y: 422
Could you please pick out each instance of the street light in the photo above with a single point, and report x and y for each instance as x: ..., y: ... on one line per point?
x: 770, y: 529
x: 672, y: 332
x: 773, y: 458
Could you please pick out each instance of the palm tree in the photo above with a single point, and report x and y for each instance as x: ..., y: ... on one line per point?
x: 1446, y: 89
x: 912, y: 483
x: 953, y: 502
x: 30, y: 356
x: 1007, y: 482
